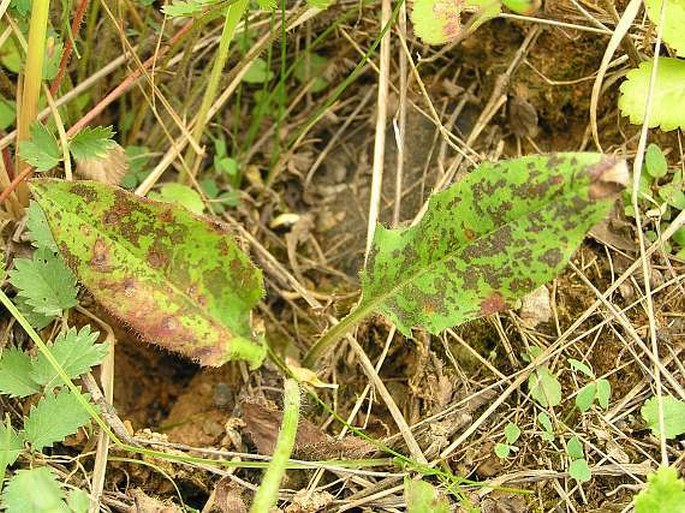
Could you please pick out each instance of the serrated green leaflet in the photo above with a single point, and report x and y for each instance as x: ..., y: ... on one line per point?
x: 177, y: 279
x: 486, y: 241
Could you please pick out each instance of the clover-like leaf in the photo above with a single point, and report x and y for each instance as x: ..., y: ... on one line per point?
x: 580, y: 470
x: 603, y: 392
x: 669, y: 93
x: 544, y: 387
x: 179, y: 280
x: 423, y: 497
x: 586, y: 396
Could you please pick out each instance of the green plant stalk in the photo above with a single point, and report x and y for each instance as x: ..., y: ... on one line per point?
x: 33, y: 80
x: 5, y: 453
x: 334, y: 334
x: 233, y: 14
x: 267, y: 494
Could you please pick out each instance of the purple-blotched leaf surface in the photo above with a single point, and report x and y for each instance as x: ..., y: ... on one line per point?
x: 178, y: 279
x: 504, y: 230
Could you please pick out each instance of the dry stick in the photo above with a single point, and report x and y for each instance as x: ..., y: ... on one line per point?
x: 646, y: 274
x: 69, y: 46
x: 497, y: 99
x: 381, y: 121
x: 314, y: 481
x: 155, y: 90
x: 107, y: 380
x: 667, y: 234
x: 401, y: 126
x: 413, y: 446
x: 627, y: 43
x: 619, y: 33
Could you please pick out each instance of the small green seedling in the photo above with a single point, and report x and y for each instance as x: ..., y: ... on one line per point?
x: 180, y: 194
x: 546, y: 425
x: 578, y: 469
x: 661, y: 197
x: 598, y: 389
x: 423, y: 497
x: 543, y: 385
x: 511, y: 434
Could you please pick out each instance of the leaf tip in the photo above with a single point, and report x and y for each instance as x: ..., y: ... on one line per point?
x: 609, y: 177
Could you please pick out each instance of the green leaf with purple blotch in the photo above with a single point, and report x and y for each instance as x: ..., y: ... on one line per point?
x: 439, y: 21
x: 177, y: 279
x: 498, y: 234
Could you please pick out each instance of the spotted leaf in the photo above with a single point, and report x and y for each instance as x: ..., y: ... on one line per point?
x: 177, y: 279
x: 500, y: 233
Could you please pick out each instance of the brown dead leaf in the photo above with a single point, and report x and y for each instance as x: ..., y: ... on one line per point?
x: 109, y: 168
x: 263, y: 420
x: 228, y: 498
x: 143, y: 503
x: 536, y: 307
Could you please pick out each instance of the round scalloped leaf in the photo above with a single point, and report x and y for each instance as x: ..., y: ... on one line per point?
x: 437, y: 22
x: 668, y: 98
x: 674, y: 21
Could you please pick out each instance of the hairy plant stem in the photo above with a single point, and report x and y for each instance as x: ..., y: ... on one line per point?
x: 33, y: 79
x: 234, y: 12
x: 267, y: 494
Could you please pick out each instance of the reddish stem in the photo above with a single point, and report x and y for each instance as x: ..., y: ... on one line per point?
x: 127, y: 83
x: 102, y: 104
x: 69, y: 46
x: 17, y: 180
